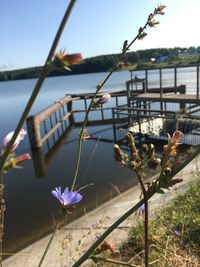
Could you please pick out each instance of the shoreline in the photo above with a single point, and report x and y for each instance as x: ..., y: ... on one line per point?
x: 71, y: 237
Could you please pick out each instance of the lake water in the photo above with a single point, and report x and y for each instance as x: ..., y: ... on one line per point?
x: 29, y: 203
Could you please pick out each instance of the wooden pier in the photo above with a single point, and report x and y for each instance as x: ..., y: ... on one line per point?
x: 57, y: 121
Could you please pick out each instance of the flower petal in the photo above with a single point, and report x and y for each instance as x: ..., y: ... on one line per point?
x: 57, y: 194
x: 74, y: 197
x: 66, y: 198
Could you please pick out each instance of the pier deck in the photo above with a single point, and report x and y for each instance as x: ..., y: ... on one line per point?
x: 175, y: 98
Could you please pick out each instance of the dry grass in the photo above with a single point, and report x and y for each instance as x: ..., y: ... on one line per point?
x: 174, y: 237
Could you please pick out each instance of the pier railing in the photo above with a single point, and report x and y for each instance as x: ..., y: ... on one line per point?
x: 47, y: 122
x: 50, y: 128
x: 56, y: 118
x: 154, y: 123
x: 170, y: 77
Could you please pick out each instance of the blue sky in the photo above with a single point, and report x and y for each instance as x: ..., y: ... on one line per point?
x: 95, y: 27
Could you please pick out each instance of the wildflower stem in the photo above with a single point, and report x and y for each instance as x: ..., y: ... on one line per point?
x: 82, y: 128
x: 136, y: 37
x: 146, y: 219
x: 115, y: 67
x: 91, y: 249
x: 48, y: 245
x: 38, y: 85
x: 2, y: 209
x: 146, y: 233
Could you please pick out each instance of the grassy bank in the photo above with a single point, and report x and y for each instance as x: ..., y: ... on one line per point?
x: 174, y: 236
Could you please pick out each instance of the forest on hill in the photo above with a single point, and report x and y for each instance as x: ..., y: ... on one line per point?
x: 141, y: 59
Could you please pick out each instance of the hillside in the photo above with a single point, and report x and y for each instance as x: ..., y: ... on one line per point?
x: 141, y: 59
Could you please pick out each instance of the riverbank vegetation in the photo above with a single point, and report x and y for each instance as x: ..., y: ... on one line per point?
x: 141, y: 59
x: 174, y: 236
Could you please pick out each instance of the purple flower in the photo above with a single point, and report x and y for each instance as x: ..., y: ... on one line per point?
x: 142, y: 208
x: 66, y: 198
x: 102, y: 100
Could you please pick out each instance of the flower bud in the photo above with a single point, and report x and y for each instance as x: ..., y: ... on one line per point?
x: 102, y: 100
x: 154, y: 163
x: 119, y: 154
x: 22, y: 158
x: 159, y: 10
x: 107, y: 245
x: 167, y: 171
x: 84, y: 135
x: 9, y: 136
x: 64, y: 60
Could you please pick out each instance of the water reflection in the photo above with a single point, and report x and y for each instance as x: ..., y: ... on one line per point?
x: 42, y: 160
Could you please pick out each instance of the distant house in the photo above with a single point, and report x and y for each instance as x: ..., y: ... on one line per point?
x: 159, y: 59
x: 153, y: 60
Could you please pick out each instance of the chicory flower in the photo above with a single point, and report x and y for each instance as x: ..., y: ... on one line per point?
x: 66, y: 198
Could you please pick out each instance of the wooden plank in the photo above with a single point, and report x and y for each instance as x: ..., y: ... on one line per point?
x: 168, y: 67
x: 176, y: 98
x: 101, y: 122
x: 47, y: 112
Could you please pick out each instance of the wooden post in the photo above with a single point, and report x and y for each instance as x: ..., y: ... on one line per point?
x: 128, y: 93
x: 114, y: 126
x: 116, y: 99
x: 198, y: 82
x: 71, y: 117
x: 146, y: 81
x: 33, y: 126
x: 102, y: 114
x: 175, y: 79
x: 85, y: 102
x: 182, y: 90
x: 161, y: 89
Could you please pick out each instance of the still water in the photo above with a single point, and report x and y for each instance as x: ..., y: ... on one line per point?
x: 29, y: 203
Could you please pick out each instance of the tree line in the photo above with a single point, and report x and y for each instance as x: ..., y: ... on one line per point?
x: 139, y: 59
